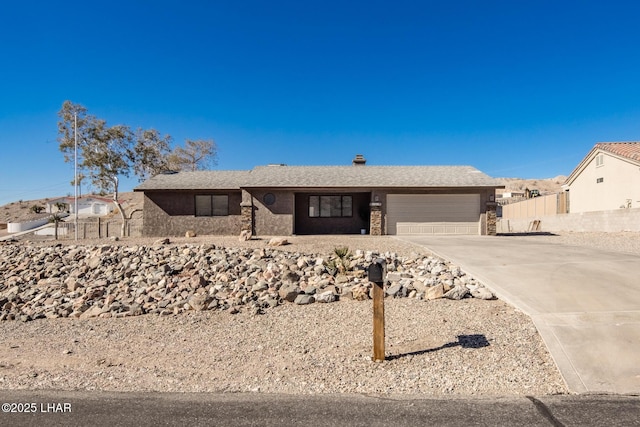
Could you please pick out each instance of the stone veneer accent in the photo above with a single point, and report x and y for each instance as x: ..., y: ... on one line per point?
x: 491, y: 219
x: 375, y: 226
x: 246, y: 213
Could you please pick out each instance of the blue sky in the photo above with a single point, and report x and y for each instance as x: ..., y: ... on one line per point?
x: 514, y: 88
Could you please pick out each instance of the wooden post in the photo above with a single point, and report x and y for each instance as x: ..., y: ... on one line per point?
x: 378, y: 322
x: 376, y: 274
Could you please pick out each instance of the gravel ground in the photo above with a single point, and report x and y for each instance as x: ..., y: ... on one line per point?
x: 302, y: 244
x: 627, y: 241
x: 441, y: 347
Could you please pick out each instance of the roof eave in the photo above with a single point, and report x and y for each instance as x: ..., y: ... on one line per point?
x: 589, y: 157
x: 369, y: 187
x: 583, y: 164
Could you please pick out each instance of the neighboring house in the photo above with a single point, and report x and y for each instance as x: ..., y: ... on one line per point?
x: 87, y: 205
x: 608, y: 178
x: 286, y: 200
x: 511, y: 195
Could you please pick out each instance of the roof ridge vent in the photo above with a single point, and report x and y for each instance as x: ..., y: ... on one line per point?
x: 359, y: 160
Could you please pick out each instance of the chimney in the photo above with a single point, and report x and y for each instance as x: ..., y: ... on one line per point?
x: 359, y: 160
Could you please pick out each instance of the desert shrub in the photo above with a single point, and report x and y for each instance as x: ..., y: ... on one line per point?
x: 340, y: 263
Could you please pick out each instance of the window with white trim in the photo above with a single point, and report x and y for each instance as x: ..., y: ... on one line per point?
x: 599, y: 160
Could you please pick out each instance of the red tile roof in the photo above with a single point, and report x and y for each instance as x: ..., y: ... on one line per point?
x: 630, y: 150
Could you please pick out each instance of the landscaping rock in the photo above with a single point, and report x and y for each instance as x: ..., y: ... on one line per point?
x: 394, y: 290
x: 278, y: 241
x: 304, y: 299
x: 482, y: 293
x: 434, y: 292
x: 199, y: 302
x: 289, y: 292
x: 326, y: 297
x: 117, y: 280
x: 457, y: 293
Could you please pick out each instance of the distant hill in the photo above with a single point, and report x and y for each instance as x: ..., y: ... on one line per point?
x: 545, y: 186
x: 21, y: 210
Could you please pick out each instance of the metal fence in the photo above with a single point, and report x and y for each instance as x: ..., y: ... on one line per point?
x: 96, y: 229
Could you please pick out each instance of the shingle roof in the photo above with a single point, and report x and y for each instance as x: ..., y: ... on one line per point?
x: 197, y: 180
x: 368, y: 176
x: 630, y: 150
x: 323, y: 177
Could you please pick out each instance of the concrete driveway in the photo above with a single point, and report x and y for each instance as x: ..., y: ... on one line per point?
x: 585, y: 302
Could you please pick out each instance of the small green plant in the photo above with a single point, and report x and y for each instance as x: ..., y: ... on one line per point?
x: 342, y: 252
x: 341, y: 262
x: 37, y: 209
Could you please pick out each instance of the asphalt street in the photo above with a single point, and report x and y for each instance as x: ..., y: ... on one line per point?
x: 82, y: 408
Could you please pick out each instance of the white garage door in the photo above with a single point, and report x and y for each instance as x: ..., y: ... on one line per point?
x: 433, y: 214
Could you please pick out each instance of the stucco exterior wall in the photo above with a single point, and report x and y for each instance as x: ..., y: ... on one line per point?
x: 275, y: 219
x: 173, y: 213
x: 620, y: 183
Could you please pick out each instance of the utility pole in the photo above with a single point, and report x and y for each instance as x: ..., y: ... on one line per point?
x: 75, y: 172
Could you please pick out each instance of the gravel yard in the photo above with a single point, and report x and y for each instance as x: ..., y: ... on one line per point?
x: 439, y: 347
x: 628, y: 241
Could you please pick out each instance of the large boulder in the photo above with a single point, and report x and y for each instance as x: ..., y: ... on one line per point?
x: 482, y: 293
x: 200, y: 302
x: 457, y: 293
x: 289, y: 292
x: 394, y: 290
x: 326, y: 297
x: 434, y: 292
x: 304, y: 299
x: 278, y: 241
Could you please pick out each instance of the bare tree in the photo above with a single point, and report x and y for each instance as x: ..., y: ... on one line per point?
x: 107, y: 153
x: 151, y: 153
x: 197, y: 154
